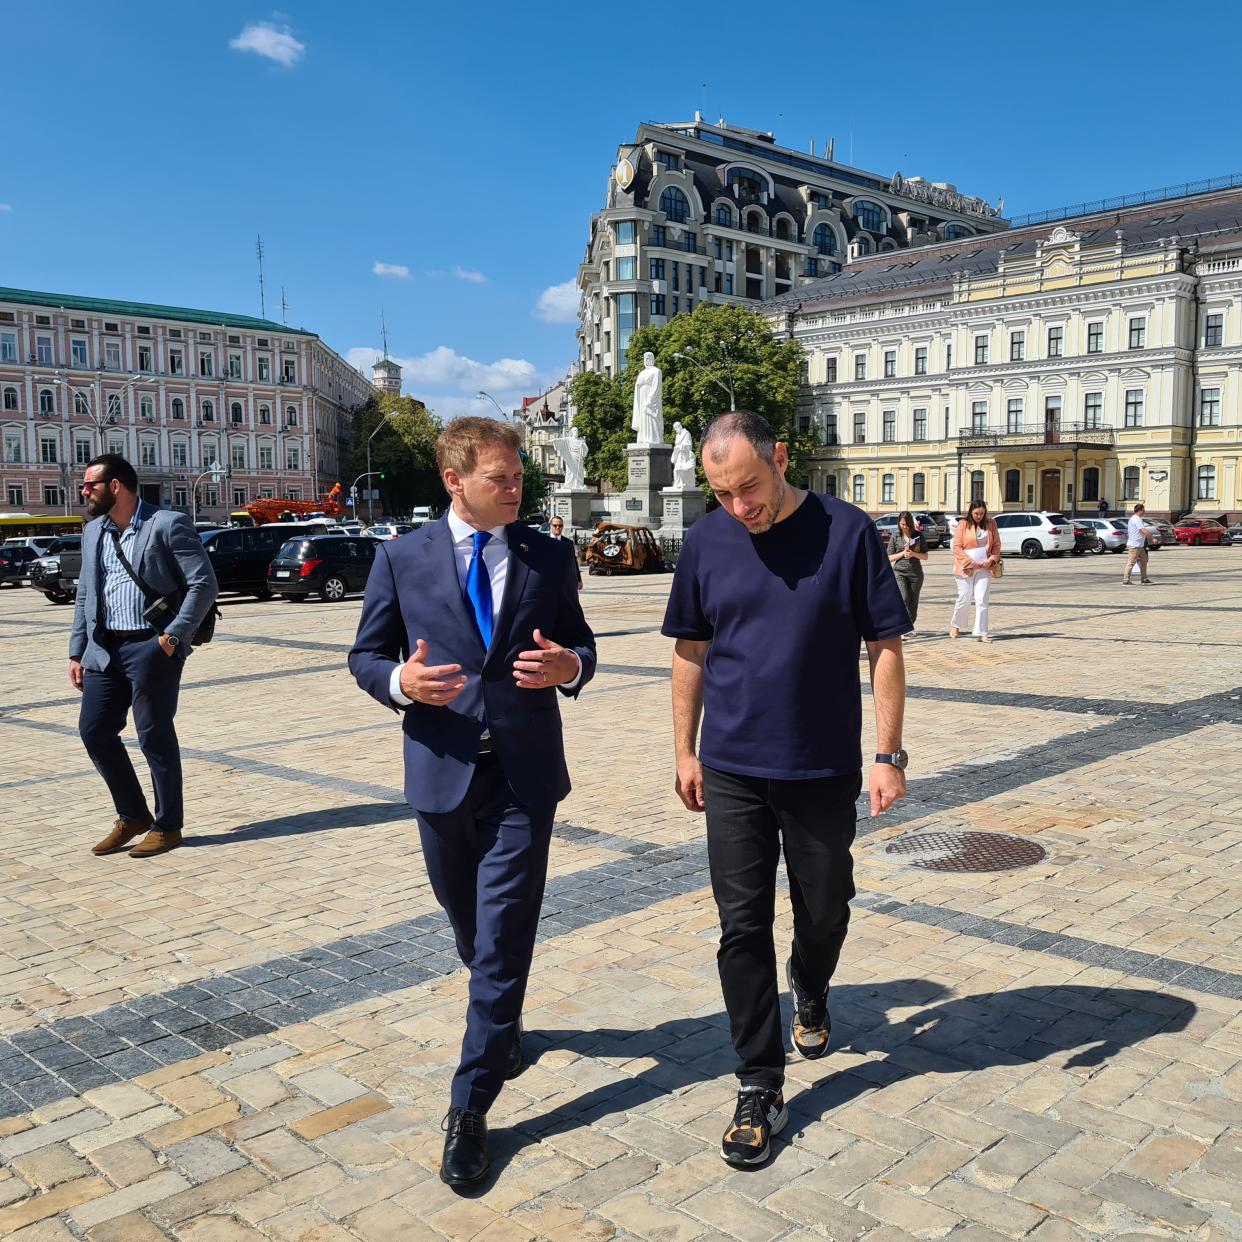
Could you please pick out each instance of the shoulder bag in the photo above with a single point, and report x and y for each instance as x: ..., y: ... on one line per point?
x: 159, y: 610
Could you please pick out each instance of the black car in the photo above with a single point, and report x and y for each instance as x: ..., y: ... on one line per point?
x: 332, y: 565
x: 15, y: 564
x: 240, y: 556
x: 46, y: 572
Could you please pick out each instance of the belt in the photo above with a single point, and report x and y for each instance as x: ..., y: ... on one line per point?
x: 125, y: 635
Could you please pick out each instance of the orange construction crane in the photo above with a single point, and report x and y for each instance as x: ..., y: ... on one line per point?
x: 274, y: 509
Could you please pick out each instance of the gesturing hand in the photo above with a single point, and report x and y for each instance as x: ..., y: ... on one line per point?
x: 549, y: 664
x: 436, y: 685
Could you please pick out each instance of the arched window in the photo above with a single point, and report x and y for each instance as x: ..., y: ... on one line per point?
x: 1013, y: 486
x: 10, y: 399
x: 860, y: 485
x: 291, y: 416
x: 824, y: 239
x: 888, y: 489
x: 724, y: 214
x: 178, y: 408
x: 755, y: 223
x: 1205, y: 478
x: 674, y: 205
x: 146, y: 408
x: 782, y: 229
x: 976, y: 485
x: 1130, y: 483
x: 265, y: 415
x: 870, y: 216
x: 235, y: 412
x: 209, y: 412
x: 953, y: 231
x: 1091, y: 483
x: 47, y: 402
x: 747, y: 181
x: 918, y: 489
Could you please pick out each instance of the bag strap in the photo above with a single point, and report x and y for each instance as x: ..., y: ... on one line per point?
x: 150, y: 595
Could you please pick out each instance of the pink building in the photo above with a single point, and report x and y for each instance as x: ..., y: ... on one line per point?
x: 176, y: 391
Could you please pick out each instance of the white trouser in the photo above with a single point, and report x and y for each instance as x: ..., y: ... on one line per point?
x: 978, y: 584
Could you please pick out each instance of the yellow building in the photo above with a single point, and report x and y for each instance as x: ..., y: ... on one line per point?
x: 1045, y: 367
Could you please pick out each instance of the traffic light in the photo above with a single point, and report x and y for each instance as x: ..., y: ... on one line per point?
x: 381, y: 476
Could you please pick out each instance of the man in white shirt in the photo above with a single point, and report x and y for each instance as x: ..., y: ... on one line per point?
x: 1136, y: 546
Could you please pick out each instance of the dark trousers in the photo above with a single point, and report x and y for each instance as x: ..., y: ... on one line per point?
x: 139, y: 676
x: 748, y: 820
x: 487, y: 862
x: 910, y: 587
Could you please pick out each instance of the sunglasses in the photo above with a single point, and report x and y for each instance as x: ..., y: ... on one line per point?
x: 90, y: 485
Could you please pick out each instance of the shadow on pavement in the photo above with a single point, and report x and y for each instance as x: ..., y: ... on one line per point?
x: 360, y: 815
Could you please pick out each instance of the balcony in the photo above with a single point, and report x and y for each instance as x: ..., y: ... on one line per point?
x: 1048, y: 434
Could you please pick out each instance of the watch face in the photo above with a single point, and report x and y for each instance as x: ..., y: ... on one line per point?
x: 899, y: 759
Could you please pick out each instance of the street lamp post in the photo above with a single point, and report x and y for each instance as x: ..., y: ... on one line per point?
x: 382, y: 422
x: 487, y: 396
x: 726, y: 384
x: 216, y: 470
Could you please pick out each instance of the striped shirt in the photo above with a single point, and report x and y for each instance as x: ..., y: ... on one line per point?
x: 123, y: 601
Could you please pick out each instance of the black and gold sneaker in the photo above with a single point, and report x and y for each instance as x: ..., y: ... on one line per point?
x: 810, y: 1025
x: 760, y: 1113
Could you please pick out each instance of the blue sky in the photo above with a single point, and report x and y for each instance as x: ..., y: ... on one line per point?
x: 466, y: 145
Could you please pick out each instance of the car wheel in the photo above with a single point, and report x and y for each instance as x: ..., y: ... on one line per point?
x: 59, y: 597
x: 1099, y: 548
x: 1032, y: 549
x: 333, y: 588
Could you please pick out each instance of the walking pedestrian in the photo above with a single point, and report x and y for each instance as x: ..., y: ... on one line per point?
x: 1103, y: 506
x: 119, y: 658
x: 976, y: 554
x: 469, y: 626
x: 907, y: 550
x: 773, y: 593
x: 1136, y: 547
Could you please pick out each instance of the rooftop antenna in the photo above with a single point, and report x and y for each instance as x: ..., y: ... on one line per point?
x: 384, y: 333
x: 284, y: 307
x: 258, y: 249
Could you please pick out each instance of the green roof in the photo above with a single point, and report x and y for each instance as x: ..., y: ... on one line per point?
x: 386, y: 363
x: 107, y: 306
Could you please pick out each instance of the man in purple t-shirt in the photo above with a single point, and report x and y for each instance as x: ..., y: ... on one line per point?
x: 774, y: 591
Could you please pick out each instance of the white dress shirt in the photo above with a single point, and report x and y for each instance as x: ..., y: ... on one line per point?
x: 495, y: 561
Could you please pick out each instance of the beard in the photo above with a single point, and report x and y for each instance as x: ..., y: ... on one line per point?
x: 771, y: 509
x: 100, y: 502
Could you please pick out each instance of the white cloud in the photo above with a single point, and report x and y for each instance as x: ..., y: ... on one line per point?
x: 273, y: 42
x: 558, y: 303
x: 6, y: 206
x: 445, y: 369
x: 474, y: 277
x: 399, y: 270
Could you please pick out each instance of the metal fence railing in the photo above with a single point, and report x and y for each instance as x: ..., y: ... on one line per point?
x: 1205, y: 186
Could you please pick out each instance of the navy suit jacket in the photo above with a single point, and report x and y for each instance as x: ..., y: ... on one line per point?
x: 413, y: 592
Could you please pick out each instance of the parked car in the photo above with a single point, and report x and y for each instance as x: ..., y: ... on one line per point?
x: 1109, y: 533
x: 1084, y: 537
x: 1196, y: 531
x: 1165, y: 535
x: 946, y: 521
x: 1035, y: 534
x: 923, y: 525
x: 1235, y: 533
x: 240, y: 556
x: 40, y: 543
x: 389, y: 530
x: 332, y: 565
x: 45, y: 578
x: 15, y: 565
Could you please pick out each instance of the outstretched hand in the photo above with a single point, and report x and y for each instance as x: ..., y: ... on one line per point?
x: 547, y: 664
x: 436, y: 685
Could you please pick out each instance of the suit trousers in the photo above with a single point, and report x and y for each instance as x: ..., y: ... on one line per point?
x: 487, y: 861
x: 139, y: 676
x: 748, y: 820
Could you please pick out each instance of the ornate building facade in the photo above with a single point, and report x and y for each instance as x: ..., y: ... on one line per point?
x: 1047, y: 367
x: 698, y: 213
x: 174, y: 391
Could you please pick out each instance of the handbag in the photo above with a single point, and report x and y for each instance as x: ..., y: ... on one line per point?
x: 159, y: 609
x: 998, y: 570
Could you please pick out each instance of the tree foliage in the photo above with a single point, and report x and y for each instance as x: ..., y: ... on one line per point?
x: 603, y: 420
x: 534, y: 486
x: 404, y: 451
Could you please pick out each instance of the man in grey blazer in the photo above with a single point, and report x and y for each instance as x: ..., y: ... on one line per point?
x: 119, y: 660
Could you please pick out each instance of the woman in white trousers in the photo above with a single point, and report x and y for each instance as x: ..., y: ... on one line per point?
x: 976, y: 553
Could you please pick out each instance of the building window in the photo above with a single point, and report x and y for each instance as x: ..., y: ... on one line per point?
x: 830, y: 370
x: 1134, y: 407
x: 953, y: 232
x: 978, y: 416
x: 948, y: 357
x: 1214, y: 330
x: 1017, y: 346
x: 1013, y: 486
x: 1130, y: 483
x: 47, y: 401
x: 1209, y: 407
x: 655, y: 269
x: 146, y: 409
x: 976, y: 485
x: 723, y: 215
x: 81, y: 450
x: 235, y: 370
x: 626, y: 232
x: 265, y: 370
x: 8, y: 346
x: 235, y: 413
x: 657, y: 235
x: 239, y: 497
x: 180, y: 497
x: 147, y: 449
x: 1056, y: 342
x: 889, y: 432
x: 860, y: 366
x: 888, y: 488
x: 1095, y: 338
x: 114, y: 406
x: 144, y: 358
x: 10, y: 399
x: 206, y: 365
x: 211, y: 498
x: 17, y: 496
x: 920, y: 360
x: 293, y: 457
x: 1013, y: 415
x: 981, y: 351
x: 1138, y: 333
x: 824, y: 240
x: 209, y: 455
x: 78, y: 354
x: 43, y: 350
x: 53, y: 496
x: 12, y: 447
x: 291, y: 416
x: 890, y: 363
x: 265, y: 457
x: 860, y: 427
x: 728, y: 285
x: 1205, y: 483
x: 239, y: 456
x: 870, y: 216
x: 627, y: 269
x: 657, y: 304
x: 80, y: 403
x: 289, y: 371
x: 49, y: 453
x: 1092, y: 409
x: 1091, y: 483
x: 690, y: 242
x: 920, y: 424
x: 674, y: 205
x: 918, y: 489
x: 178, y: 409
x: 265, y: 415
x: 180, y: 455
x: 116, y: 444
x: 627, y: 315
x: 209, y: 412
x: 859, y: 489
x: 176, y: 363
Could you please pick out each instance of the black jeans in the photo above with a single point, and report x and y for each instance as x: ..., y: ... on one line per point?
x: 910, y: 586
x: 748, y: 819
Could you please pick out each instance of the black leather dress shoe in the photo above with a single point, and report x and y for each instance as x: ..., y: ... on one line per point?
x: 517, y: 1059
x: 465, y: 1159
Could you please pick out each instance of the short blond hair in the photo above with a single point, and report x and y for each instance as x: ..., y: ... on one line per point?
x: 457, y: 446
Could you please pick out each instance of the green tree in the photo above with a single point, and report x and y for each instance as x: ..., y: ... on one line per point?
x: 404, y: 451
x: 603, y: 420
x: 534, y: 486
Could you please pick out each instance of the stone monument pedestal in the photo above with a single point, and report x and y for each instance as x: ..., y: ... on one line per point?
x: 573, y: 507
x: 651, y: 470
x: 682, y: 508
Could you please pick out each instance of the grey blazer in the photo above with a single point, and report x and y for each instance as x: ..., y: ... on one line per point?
x: 169, y: 556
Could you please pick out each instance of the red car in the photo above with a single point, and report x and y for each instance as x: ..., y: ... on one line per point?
x: 1195, y: 531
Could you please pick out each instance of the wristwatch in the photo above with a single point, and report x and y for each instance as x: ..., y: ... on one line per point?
x: 899, y: 758
x: 172, y: 640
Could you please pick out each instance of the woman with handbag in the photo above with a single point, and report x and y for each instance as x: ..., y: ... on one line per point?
x: 976, y: 561
x: 907, y: 550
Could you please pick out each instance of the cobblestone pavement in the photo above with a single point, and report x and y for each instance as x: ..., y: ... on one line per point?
x: 252, y: 1037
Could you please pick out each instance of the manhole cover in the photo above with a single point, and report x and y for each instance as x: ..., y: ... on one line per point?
x: 966, y: 851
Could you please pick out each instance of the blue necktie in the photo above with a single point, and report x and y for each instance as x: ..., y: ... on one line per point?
x: 479, y: 588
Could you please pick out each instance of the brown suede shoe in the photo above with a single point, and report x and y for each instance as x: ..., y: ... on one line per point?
x: 123, y: 832
x: 156, y: 842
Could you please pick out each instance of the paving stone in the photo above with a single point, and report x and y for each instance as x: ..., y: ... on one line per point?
x: 61, y: 1199
x: 49, y: 1166
x: 317, y: 1124
x: 735, y: 1216
x: 126, y: 1162
x: 182, y: 1128
x: 121, y: 1100
x: 129, y: 1199
x: 138, y: 1123
x: 213, y: 1228
x: 820, y: 1213
x: 638, y: 1214
x: 208, y: 1196
x: 354, y: 1196
x: 1149, y: 1201
x: 203, y: 1158
x: 132, y: 1227
x: 909, y: 1212
x: 280, y: 1153
x: 53, y: 1132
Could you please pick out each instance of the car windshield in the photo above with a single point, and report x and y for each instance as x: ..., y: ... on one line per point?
x: 1057, y: 518
x: 293, y: 549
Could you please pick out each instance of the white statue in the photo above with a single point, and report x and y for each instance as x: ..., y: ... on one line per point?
x: 573, y: 452
x: 683, y: 459
x: 648, y: 419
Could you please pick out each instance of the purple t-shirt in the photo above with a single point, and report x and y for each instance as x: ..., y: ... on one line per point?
x: 784, y: 612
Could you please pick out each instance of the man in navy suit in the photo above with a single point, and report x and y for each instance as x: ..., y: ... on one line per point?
x: 469, y: 626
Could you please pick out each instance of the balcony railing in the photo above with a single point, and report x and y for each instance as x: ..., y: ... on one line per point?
x: 1036, y: 435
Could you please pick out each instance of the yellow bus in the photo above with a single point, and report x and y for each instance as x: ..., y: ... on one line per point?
x: 21, y: 525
